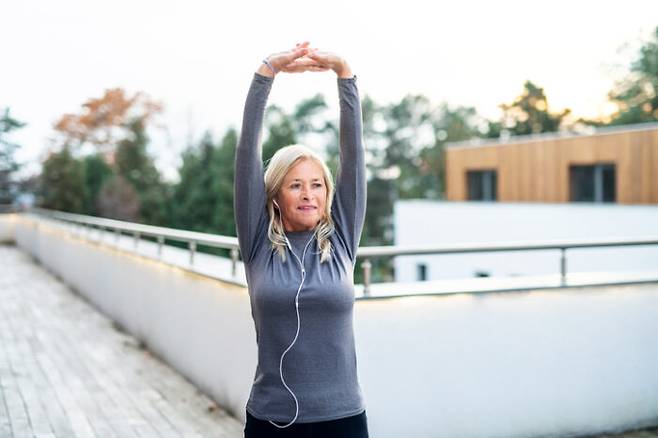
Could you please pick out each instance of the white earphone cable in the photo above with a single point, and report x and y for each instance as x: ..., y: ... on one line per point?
x: 301, y: 265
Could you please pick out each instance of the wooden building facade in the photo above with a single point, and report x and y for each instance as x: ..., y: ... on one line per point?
x: 616, y: 164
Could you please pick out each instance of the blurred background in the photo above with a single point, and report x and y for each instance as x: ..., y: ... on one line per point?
x: 133, y: 111
x: 500, y: 136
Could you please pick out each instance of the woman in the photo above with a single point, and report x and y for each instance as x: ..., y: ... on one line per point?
x: 298, y: 238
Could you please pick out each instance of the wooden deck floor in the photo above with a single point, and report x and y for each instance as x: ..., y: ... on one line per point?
x: 65, y: 371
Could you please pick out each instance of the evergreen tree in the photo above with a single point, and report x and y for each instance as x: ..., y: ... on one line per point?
x: 8, y: 164
x: 97, y: 172
x: 119, y: 200
x: 636, y: 95
x: 134, y: 164
x: 527, y: 114
x: 193, y: 198
x: 114, y: 125
x: 280, y: 131
x: 222, y: 184
x: 62, y: 182
x: 452, y: 124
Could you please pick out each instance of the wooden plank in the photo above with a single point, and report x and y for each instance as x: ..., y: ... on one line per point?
x: 65, y: 371
x: 538, y: 170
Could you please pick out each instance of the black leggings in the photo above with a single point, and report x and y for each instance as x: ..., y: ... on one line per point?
x: 355, y: 426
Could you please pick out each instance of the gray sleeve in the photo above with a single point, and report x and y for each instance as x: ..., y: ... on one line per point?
x: 249, y: 188
x: 349, y: 206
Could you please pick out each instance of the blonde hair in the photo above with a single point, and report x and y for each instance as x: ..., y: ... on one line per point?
x: 277, y: 169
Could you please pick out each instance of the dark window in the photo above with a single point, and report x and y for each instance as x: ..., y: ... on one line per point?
x: 594, y: 183
x: 608, y: 183
x: 421, y: 271
x: 482, y: 185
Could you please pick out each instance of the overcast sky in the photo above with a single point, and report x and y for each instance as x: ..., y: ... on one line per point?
x: 197, y: 57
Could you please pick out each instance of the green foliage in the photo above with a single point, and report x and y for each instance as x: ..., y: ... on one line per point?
x: 135, y: 165
x: 203, y: 198
x: 452, y: 124
x: 8, y: 164
x: 281, y: 132
x: 97, y: 172
x: 527, y: 114
x: 118, y: 199
x: 62, y: 182
x: 305, y: 122
x: 636, y: 95
x: 405, y: 142
x: 306, y: 113
x: 194, y: 200
x: 408, y: 135
x: 222, y: 184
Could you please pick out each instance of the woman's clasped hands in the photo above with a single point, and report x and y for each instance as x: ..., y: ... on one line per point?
x: 303, y: 58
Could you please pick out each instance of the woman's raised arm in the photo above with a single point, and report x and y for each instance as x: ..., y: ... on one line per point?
x: 349, y: 206
x: 249, y: 188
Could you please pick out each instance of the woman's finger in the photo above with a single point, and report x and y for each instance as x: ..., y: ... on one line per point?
x: 306, y: 61
x: 298, y: 45
x: 298, y: 53
x: 317, y: 55
x: 300, y: 66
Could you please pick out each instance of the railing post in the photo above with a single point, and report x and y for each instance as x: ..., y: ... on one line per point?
x: 160, y: 243
x: 192, y: 251
x: 366, y: 266
x: 234, y: 262
x: 563, y: 267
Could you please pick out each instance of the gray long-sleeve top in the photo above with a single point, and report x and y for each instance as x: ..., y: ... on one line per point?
x: 321, y: 367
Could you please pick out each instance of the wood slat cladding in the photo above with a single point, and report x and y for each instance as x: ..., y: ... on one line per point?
x: 537, y: 169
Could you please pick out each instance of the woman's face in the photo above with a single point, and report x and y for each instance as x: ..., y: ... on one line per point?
x: 302, y: 197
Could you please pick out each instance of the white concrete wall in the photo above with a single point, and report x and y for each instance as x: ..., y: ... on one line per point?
x: 200, y: 326
x: 517, y: 364
x: 421, y: 222
x: 7, y: 227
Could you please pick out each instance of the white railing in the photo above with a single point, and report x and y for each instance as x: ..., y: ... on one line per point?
x: 193, y: 239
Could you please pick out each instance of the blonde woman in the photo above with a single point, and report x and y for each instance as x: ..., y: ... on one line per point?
x: 298, y: 238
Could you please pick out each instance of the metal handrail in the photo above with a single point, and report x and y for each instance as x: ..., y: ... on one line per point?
x: 383, y: 251
x: 194, y: 238
x: 9, y: 208
x: 397, y: 250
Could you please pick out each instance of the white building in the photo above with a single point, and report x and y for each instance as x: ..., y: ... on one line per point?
x: 424, y: 222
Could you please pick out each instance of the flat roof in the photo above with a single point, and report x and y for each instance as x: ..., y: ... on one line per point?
x: 589, y: 131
